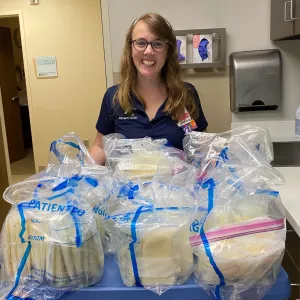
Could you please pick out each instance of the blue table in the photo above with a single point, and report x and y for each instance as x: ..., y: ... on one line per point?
x: 112, y: 288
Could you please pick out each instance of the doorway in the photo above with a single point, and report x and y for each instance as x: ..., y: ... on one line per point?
x: 15, y: 101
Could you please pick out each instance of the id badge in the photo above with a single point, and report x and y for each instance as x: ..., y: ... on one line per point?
x: 187, y: 123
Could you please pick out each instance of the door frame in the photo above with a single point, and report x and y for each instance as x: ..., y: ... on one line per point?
x: 3, y: 133
x: 104, y: 7
x: 19, y: 14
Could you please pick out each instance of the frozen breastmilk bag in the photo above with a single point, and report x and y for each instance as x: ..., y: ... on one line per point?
x: 50, y: 242
x: 51, y: 238
x: 68, y: 156
x: 152, y: 222
x: 240, y: 244
x: 137, y: 157
x: 239, y: 239
x: 162, y: 190
x: 153, y: 247
x: 97, y: 197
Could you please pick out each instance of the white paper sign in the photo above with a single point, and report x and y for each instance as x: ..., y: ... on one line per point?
x: 46, y: 66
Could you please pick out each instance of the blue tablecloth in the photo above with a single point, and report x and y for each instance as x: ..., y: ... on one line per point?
x: 112, y: 288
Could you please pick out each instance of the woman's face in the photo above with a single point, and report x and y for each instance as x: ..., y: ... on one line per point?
x: 148, y: 62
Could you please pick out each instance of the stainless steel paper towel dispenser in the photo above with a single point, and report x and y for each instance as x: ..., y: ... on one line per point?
x: 255, y: 80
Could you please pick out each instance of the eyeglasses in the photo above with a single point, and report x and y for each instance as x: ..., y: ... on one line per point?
x: 141, y: 45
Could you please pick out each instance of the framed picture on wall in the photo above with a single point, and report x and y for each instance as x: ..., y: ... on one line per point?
x: 202, y: 48
x: 181, y: 48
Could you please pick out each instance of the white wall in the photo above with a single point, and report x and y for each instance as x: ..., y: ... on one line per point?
x: 248, y: 28
x: 181, y: 14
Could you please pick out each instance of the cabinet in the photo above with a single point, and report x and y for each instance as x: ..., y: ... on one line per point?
x: 285, y: 19
x: 291, y: 260
x: 297, y: 15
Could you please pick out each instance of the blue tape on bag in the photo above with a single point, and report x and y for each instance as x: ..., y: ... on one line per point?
x: 78, y: 237
x: 54, y: 149
x: 129, y: 190
x: 131, y: 246
x: 69, y: 191
x: 210, y: 185
x: 10, y: 295
x: 23, y: 221
x: 91, y: 181
x: 35, y: 192
x: 223, y: 155
x: 72, y: 181
x: 267, y: 192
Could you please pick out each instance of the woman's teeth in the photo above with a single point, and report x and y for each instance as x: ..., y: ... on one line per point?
x: 149, y: 63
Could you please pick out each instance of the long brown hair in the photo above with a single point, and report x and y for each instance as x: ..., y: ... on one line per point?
x: 179, y: 96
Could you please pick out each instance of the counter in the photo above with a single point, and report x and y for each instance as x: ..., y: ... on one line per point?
x: 290, y: 195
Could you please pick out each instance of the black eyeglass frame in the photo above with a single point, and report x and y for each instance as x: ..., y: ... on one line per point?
x: 149, y: 43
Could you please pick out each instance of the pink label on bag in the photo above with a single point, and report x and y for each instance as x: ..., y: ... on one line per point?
x: 246, y: 228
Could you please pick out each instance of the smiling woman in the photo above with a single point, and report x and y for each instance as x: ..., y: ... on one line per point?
x: 151, y: 99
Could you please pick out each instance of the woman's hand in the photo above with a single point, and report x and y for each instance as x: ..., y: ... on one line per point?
x: 96, y: 150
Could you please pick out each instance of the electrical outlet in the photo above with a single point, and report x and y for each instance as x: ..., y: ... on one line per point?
x: 86, y: 143
x: 33, y: 2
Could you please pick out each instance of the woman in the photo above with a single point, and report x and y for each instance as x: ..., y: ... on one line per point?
x: 151, y: 99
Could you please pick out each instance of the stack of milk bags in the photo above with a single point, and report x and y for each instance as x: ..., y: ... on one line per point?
x: 152, y: 212
x: 51, y: 238
x: 239, y: 240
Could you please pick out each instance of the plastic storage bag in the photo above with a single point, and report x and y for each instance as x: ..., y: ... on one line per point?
x: 153, y: 248
x: 208, y: 151
x: 138, y: 157
x: 239, y: 238
x: 50, y: 241
x: 257, y: 140
x: 240, y: 245
x: 152, y: 228
x: 172, y: 188
x: 68, y: 156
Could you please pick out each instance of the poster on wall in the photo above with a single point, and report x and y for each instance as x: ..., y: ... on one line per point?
x: 181, y: 48
x: 46, y: 66
x: 202, y: 48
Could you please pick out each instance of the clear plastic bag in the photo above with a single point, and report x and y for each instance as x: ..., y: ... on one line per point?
x: 240, y: 244
x: 215, y: 155
x: 162, y: 189
x: 69, y: 156
x: 239, y: 228
x: 152, y: 227
x: 51, y: 238
x: 257, y: 140
x: 153, y: 248
x: 68, y: 151
x: 137, y: 157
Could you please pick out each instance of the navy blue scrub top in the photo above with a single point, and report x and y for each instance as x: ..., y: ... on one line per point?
x: 112, y: 119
